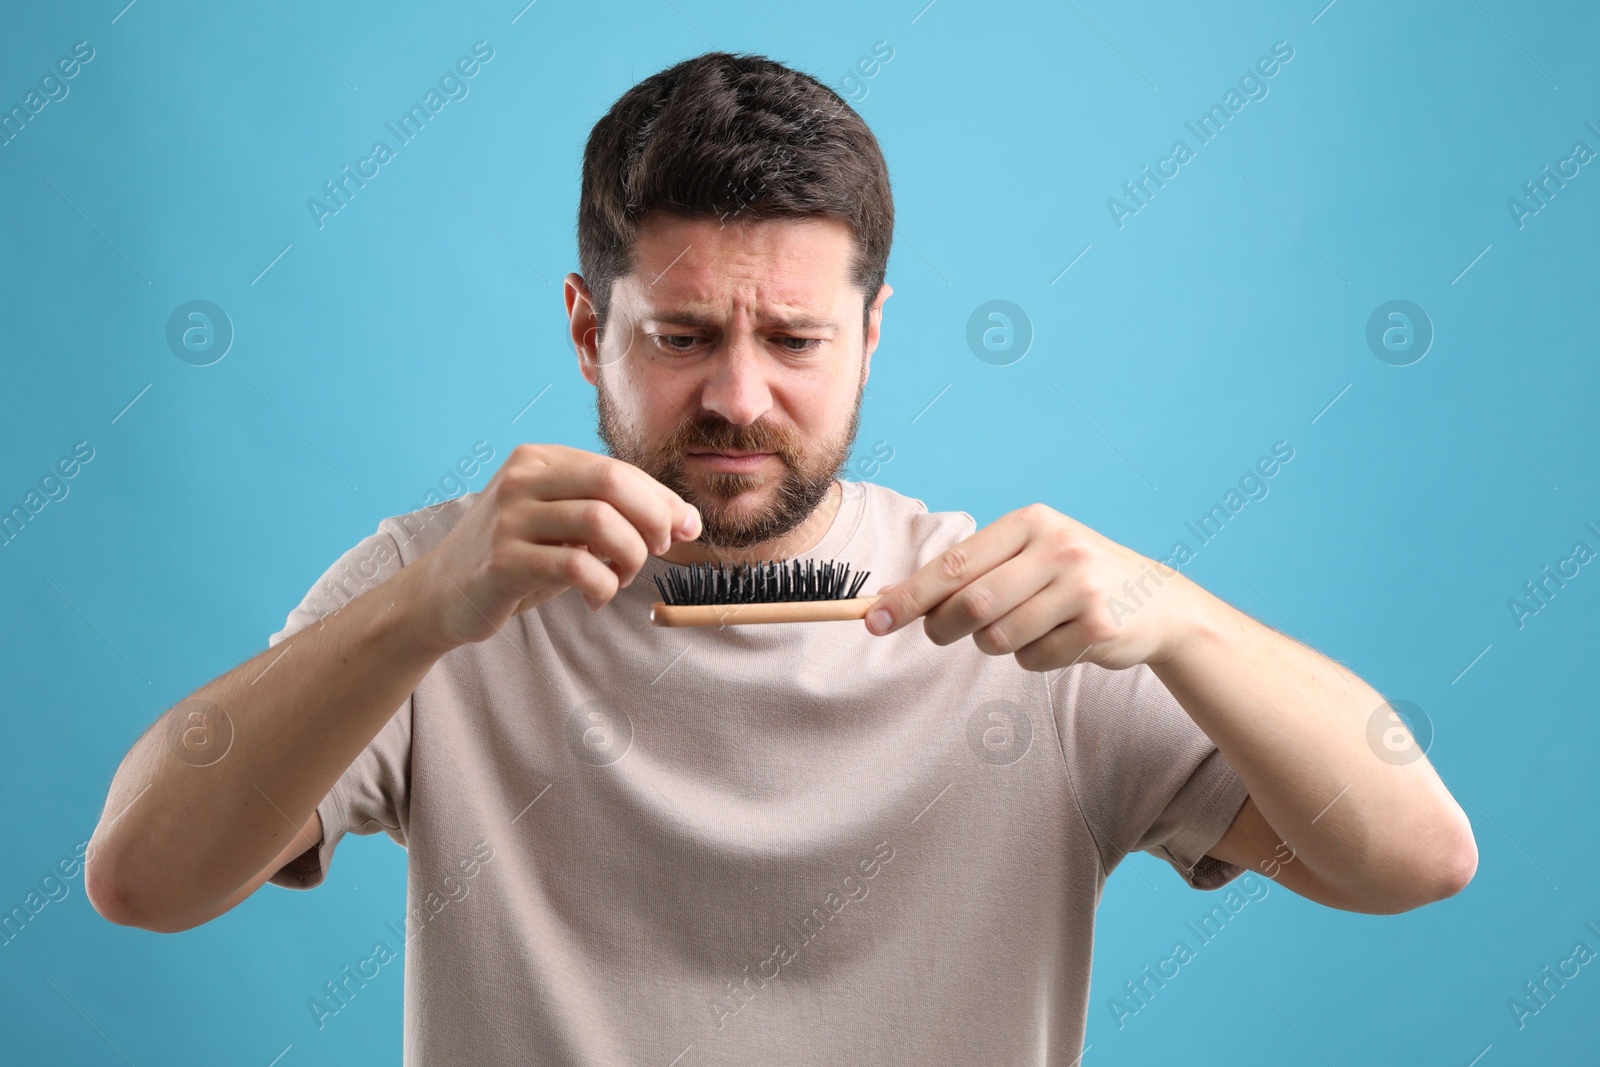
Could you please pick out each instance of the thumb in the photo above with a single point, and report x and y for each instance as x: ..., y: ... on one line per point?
x: 689, y: 526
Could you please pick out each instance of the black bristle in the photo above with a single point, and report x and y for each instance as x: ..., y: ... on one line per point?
x: 759, y: 583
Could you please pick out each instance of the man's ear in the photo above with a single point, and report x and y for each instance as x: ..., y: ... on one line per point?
x: 874, y: 327
x: 583, y: 325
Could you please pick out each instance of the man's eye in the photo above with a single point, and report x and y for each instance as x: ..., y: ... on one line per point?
x: 677, y: 342
x: 799, y: 344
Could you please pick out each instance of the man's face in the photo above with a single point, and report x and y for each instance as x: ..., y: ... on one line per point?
x: 732, y: 366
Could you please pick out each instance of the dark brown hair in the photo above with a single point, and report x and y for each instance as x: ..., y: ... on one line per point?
x: 735, y: 137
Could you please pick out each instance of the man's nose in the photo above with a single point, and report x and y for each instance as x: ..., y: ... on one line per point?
x: 737, y: 388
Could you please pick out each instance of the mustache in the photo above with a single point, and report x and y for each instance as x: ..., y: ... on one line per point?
x: 720, y: 435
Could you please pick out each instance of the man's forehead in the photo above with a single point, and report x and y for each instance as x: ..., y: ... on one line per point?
x: 792, y: 272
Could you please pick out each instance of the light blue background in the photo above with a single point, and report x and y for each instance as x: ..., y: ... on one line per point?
x: 1223, y: 317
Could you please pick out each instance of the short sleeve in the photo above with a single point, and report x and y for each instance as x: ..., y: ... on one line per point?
x: 1145, y: 776
x: 373, y: 792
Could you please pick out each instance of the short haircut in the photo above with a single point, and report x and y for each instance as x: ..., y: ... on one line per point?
x: 734, y: 137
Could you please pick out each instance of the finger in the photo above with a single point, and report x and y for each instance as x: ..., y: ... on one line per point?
x: 1056, y: 604
x: 658, y: 513
x: 945, y: 573
x: 594, y: 524
x: 1061, y: 647
x: 982, y: 601
x: 575, y: 568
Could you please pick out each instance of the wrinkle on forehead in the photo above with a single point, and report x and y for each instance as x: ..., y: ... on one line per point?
x: 762, y: 271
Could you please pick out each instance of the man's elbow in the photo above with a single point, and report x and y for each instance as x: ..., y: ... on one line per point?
x: 106, y: 894
x: 111, y: 896
x: 1455, y: 871
x: 1446, y: 873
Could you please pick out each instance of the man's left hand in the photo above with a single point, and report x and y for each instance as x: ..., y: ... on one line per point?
x: 1048, y: 590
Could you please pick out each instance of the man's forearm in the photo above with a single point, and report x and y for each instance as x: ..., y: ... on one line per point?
x: 1294, y: 724
x: 176, y: 836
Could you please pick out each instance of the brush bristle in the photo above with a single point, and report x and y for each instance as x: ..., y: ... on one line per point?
x: 759, y: 583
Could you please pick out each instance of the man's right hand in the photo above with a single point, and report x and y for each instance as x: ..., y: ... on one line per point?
x: 551, y: 518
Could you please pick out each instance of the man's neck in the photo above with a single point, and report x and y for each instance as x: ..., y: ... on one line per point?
x: 801, y: 539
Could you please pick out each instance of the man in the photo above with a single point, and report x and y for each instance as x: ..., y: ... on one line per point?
x: 788, y: 843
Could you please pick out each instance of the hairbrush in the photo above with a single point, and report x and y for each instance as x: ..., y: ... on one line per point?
x: 716, y: 594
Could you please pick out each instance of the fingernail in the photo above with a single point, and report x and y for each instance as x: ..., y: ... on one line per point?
x: 690, y: 528
x: 877, y: 620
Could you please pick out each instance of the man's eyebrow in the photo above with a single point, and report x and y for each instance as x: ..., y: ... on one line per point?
x: 805, y: 322
x: 703, y: 322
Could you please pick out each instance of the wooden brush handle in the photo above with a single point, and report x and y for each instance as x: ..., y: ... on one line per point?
x: 664, y: 614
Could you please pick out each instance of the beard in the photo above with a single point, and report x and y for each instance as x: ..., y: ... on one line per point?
x: 727, y: 520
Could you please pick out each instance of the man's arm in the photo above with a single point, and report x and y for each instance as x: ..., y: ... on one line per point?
x: 179, y: 844
x: 183, y: 839
x: 1252, y: 843
x: 1365, y: 834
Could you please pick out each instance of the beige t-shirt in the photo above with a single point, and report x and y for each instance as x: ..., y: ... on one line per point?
x: 792, y: 843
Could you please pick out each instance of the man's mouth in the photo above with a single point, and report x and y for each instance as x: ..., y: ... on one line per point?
x: 732, y: 461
